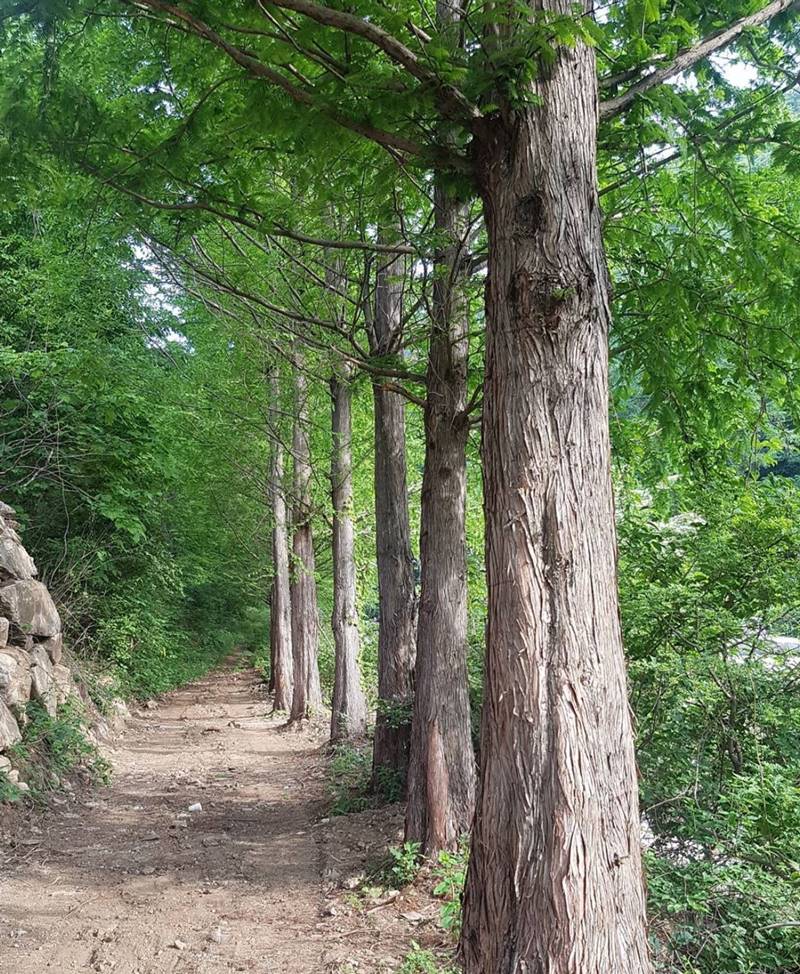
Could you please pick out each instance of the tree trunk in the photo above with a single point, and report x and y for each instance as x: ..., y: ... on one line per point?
x: 554, y: 883
x: 397, y: 600
x: 441, y: 771
x: 280, y: 609
x: 307, y: 695
x: 349, y: 707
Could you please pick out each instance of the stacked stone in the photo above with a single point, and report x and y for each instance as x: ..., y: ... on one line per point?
x: 31, y: 643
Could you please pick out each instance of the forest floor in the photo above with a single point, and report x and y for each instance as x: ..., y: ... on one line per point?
x: 126, y: 879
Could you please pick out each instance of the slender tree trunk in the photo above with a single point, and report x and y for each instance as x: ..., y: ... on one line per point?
x: 280, y: 609
x: 307, y: 694
x: 554, y: 883
x: 397, y: 608
x: 441, y: 772
x: 349, y: 707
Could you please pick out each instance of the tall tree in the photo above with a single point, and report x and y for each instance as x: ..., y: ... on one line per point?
x: 397, y: 597
x: 307, y: 693
x: 281, y: 670
x: 441, y: 775
x: 554, y: 879
x: 349, y: 706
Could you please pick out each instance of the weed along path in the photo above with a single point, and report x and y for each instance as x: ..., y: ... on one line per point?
x: 128, y: 879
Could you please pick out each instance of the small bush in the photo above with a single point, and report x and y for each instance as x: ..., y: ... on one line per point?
x: 51, y: 747
x: 450, y: 874
x: 8, y: 790
x: 350, y: 772
x: 403, y: 864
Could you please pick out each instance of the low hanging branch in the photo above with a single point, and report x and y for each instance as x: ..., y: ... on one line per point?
x: 693, y: 55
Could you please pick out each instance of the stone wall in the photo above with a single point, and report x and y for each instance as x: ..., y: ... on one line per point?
x: 31, y: 643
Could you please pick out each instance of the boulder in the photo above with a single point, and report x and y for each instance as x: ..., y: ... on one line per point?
x: 15, y: 562
x: 54, y: 647
x: 15, y: 677
x: 9, y: 729
x: 5, y: 765
x: 40, y: 657
x: 4, y: 626
x: 43, y: 686
x: 28, y: 605
x: 62, y: 682
x: 6, y: 510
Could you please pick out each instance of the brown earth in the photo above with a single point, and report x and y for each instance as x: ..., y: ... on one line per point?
x: 126, y: 879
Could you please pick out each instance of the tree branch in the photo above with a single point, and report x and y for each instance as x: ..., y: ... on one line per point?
x: 453, y: 100
x: 692, y: 55
x: 260, y: 70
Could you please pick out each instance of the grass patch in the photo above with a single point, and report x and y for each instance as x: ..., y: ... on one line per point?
x: 419, y: 961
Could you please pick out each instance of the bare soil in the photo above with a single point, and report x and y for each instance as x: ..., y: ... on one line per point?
x: 126, y: 879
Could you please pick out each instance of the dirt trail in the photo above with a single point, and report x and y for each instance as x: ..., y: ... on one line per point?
x: 127, y: 880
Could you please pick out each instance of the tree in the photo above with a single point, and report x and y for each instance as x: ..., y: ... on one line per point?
x: 441, y: 779
x: 281, y: 658
x: 396, y: 592
x: 307, y: 693
x: 349, y: 706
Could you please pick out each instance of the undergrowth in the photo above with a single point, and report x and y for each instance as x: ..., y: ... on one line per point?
x: 420, y: 961
x: 51, y: 747
x: 150, y: 655
x: 9, y: 793
x: 354, y: 787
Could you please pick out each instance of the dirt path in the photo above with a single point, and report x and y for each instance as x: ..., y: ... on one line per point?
x: 128, y: 880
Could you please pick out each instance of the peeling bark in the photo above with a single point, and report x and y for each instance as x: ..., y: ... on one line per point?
x: 554, y: 883
x: 441, y: 776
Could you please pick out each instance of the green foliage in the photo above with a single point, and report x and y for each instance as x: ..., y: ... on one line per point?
x: 421, y: 961
x: 51, y: 747
x: 134, y: 524
x: 706, y: 574
x: 350, y: 773
x: 9, y: 793
x: 450, y: 875
x: 403, y: 865
x: 396, y: 713
x: 353, y: 785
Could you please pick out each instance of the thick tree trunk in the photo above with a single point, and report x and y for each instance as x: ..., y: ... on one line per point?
x: 307, y: 694
x: 441, y: 772
x: 349, y: 707
x: 397, y: 599
x: 280, y: 608
x: 554, y: 883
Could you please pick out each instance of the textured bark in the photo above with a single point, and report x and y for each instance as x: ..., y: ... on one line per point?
x: 554, y: 883
x: 307, y: 694
x: 441, y: 772
x: 349, y: 706
x: 280, y: 607
x: 397, y: 598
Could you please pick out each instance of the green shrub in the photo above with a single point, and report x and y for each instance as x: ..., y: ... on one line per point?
x: 450, y: 874
x: 51, y: 747
x: 9, y: 793
x: 350, y: 771
x: 403, y: 865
